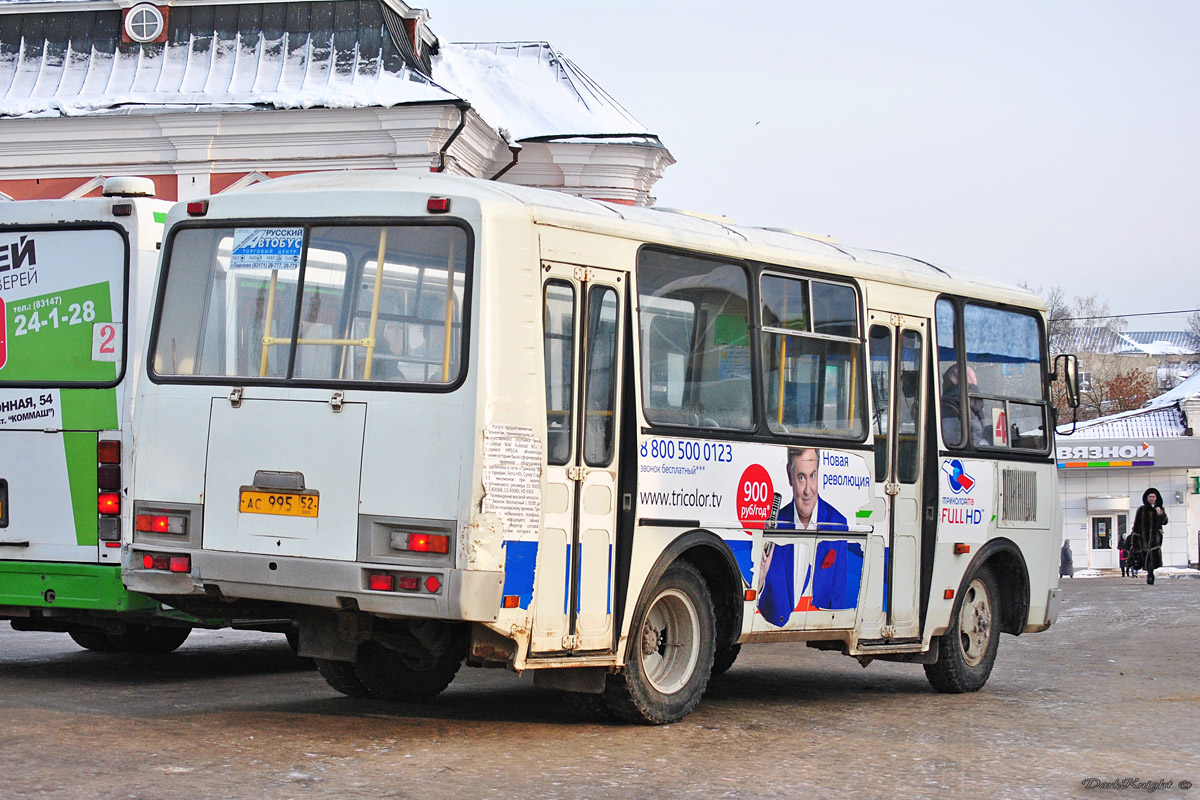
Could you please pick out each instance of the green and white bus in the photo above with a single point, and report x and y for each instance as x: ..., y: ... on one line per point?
x: 438, y: 420
x: 76, y: 281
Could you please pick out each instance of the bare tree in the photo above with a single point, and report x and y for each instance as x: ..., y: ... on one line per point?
x: 1085, y: 325
x: 1121, y: 391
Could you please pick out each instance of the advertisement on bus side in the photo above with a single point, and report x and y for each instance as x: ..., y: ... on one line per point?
x: 789, y: 494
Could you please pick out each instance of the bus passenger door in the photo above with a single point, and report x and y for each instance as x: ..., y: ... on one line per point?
x: 899, y: 342
x: 583, y: 319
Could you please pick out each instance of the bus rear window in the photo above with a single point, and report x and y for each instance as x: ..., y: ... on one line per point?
x: 62, y: 306
x: 312, y: 304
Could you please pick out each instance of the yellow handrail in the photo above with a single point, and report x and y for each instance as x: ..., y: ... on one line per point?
x: 262, y: 369
x: 782, y: 364
x: 375, y: 304
x: 274, y: 340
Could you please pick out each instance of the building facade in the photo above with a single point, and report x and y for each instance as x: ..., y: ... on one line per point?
x: 1106, y: 465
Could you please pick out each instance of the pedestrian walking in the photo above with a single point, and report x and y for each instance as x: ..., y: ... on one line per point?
x: 1123, y: 553
x: 1066, y: 561
x: 1147, y: 531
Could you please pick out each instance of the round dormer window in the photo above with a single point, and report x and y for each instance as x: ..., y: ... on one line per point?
x: 144, y: 23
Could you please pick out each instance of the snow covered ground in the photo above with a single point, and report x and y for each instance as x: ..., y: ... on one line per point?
x: 1161, y: 572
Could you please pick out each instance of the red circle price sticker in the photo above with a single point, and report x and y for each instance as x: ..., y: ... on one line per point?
x: 755, y: 497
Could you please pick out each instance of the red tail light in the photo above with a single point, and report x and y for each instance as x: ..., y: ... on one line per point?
x: 109, y: 502
x: 432, y: 584
x: 409, y: 583
x: 168, y: 563
x: 160, y: 523
x: 108, y: 451
x: 381, y: 583
x: 428, y: 543
x: 197, y: 208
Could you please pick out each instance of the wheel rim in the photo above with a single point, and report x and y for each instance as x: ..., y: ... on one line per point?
x: 975, y: 623
x: 670, y: 641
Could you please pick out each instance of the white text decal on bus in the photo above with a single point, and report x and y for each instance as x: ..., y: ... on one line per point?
x: 965, y: 507
x: 266, y: 248
x: 512, y: 479
x: 39, y: 409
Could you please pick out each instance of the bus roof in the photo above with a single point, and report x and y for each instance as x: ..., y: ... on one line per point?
x: 671, y: 228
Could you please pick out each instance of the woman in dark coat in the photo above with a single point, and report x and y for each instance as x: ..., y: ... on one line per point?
x: 1148, y: 531
x: 1066, y: 562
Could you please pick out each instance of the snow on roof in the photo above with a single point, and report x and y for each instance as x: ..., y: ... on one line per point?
x: 1186, y: 389
x: 532, y: 90
x: 1142, y: 423
x: 1160, y: 418
x: 61, y: 63
x: 281, y: 57
x: 1150, y: 343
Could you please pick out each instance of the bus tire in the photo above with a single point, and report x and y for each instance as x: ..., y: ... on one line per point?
x: 149, y: 639
x: 410, y: 676
x: 967, y: 650
x: 91, y: 639
x: 671, y: 650
x: 723, y: 659
x: 342, y: 677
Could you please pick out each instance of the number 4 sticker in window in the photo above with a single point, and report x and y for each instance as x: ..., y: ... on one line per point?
x: 106, y: 341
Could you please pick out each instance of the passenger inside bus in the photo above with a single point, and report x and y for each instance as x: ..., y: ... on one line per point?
x: 952, y: 425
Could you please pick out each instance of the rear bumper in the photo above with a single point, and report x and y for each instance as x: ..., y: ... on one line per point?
x: 91, y: 587
x: 467, y: 595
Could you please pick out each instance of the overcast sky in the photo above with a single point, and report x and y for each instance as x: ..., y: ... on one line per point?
x: 1055, y: 143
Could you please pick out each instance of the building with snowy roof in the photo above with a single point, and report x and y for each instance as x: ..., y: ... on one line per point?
x: 1166, y: 357
x: 204, y: 95
x: 1107, y: 463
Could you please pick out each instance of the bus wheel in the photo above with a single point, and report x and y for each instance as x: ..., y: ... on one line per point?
x: 342, y: 677
x: 967, y: 650
x: 91, y: 639
x: 415, y: 672
x: 724, y: 658
x: 149, y: 639
x: 670, y: 651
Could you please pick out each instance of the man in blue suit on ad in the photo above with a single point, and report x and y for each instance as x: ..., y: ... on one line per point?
x: 779, y: 593
x: 807, y: 511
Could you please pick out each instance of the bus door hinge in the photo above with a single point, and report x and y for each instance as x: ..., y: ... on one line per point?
x: 569, y: 641
x: 337, y: 400
x: 235, y: 397
x: 576, y: 473
x: 891, y: 489
x: 583, y: 274
x: 887, y: 632
x: 897, y: 320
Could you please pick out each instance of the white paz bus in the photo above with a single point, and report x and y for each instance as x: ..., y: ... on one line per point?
x: 76, y: 283
x: 437, y: 419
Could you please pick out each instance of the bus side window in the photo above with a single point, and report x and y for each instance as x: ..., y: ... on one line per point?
x: 694, y: 321
x: 951, y: 402
x: 601, y: 400
x: 559, y: 343
x: 881, y: 373
x: 1009, y: 390
x: 810, y: 358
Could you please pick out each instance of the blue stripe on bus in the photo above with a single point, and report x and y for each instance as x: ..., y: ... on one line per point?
x: 519, y: 561
x: 887, y: 554
x: 567, y: 584
x: 608, y: 606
